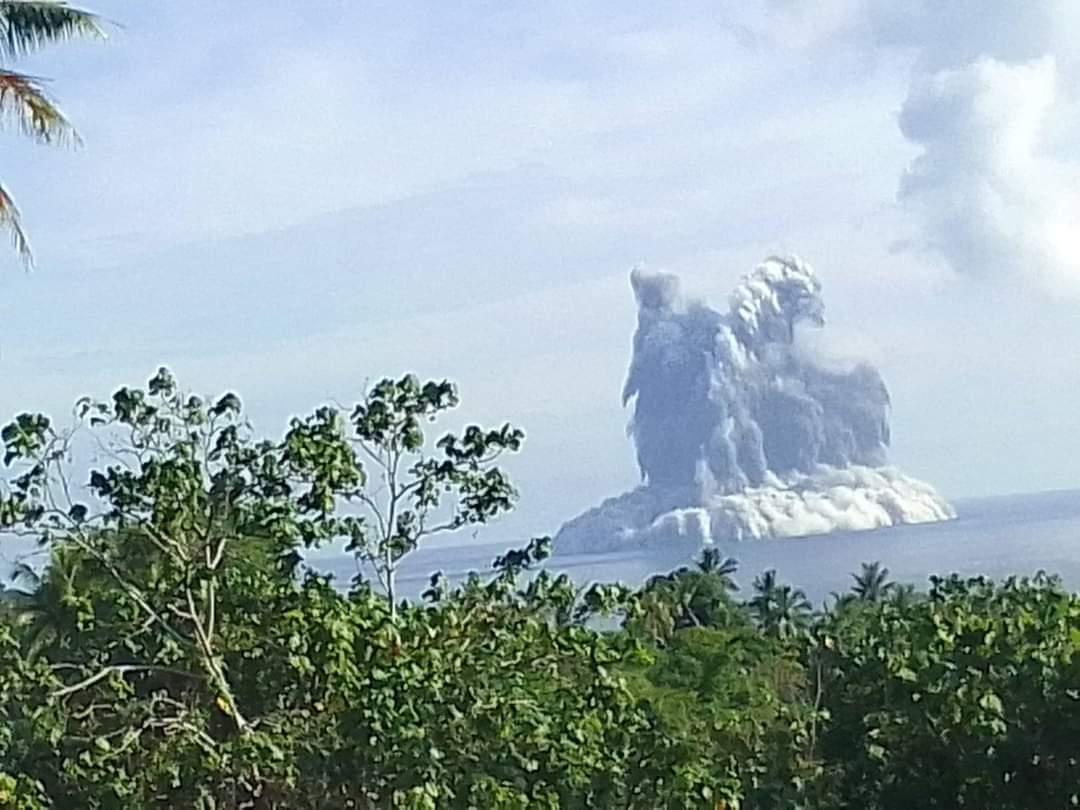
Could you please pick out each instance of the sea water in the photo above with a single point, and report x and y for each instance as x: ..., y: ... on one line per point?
x: 996, y: 537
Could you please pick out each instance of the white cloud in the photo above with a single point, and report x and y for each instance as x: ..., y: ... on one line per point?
x: 983, y: 191
x: 990, y: 191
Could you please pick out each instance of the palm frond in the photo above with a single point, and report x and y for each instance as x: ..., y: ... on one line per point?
x: 10, y: 219
x: 28, y: 25
x: 23, y: 572
x: 23, y: 102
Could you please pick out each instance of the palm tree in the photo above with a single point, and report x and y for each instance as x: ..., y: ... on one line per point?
x: 903, y: 596
x: 688, y: 597
x: 765, y: 586
x: 841, y: 601
x: 779, y: 610
x: 872, y: 583
x: 712, y: 562
x: 26, y: 26
x: 46, y: 612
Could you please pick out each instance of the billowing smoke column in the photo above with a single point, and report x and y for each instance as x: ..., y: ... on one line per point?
x: 741, y: 435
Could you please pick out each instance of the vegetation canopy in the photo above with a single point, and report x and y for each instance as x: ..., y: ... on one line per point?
x: 176, y: 652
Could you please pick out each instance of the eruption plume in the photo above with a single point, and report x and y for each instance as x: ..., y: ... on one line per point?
x: 739, y: 434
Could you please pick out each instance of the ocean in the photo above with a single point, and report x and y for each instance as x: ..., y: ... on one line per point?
x: 996, y: 537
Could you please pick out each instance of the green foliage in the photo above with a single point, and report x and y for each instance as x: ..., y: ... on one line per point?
x: 736, y: 696
x: 411, y: 503
x: 872, y: 582
x: 969, y: 697
x: 688, y: 597
x: 175, y: 652
x: 779, y: 610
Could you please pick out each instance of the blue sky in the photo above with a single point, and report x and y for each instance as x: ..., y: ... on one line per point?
x: 290, y: 200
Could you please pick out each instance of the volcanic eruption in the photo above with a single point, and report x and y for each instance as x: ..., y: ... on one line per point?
x: 740, y: 434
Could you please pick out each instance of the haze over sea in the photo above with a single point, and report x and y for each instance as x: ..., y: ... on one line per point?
x: 998, y: 537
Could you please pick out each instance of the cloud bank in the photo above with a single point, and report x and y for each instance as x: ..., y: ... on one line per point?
x: 740, y: 433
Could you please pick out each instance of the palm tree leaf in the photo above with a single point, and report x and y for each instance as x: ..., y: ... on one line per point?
x: 10, y: 219
x: 27, y: 25
x: 22, y: 571
x: 872, y: 582
x: 23, y: 101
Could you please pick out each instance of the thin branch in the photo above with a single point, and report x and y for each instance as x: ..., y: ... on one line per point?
x: 131, y: 590
x: 211, y: 664
x: 449, y: 526
x: 375, y: 509
x: 115, y: 453
x: 119, y: 669
x: 168, y: 546
x: 372, y: 560
x: 376, y: 458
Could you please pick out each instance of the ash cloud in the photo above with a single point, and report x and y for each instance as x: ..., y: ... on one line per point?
x: 741, y: 435
x: 721, y: 400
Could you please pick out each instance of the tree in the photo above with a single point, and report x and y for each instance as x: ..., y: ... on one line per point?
x: 421, y: 494
x: 12, y: 601
x: 25, y: 26
x: 194, y: 663
x: 736, y: 697
x: 175, y: 653
x: 714, y: 563
x: 25, y: 705
x: 47, y: 611
x: 965, y: 698
x: 779, y: 610
x: 904, y: 596
x: 872, y: 582
x: 190, y: 490
x: 688, y: 597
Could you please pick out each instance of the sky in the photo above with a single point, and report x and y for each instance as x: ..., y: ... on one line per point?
x: 293, y: 200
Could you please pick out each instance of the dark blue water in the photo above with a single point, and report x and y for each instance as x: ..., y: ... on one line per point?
x: 996, y: 537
